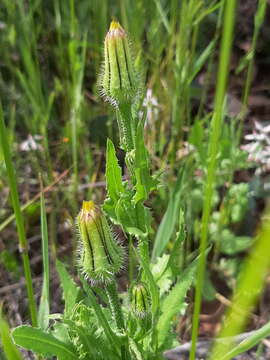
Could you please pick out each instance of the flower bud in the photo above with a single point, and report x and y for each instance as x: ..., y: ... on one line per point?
x: 100, y: 256
x: 119, y: 79
x: 140, y: 300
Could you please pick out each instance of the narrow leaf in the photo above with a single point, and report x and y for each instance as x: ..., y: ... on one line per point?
x: 144, y: 181
x: 70, y: 290
x: 250, y: 342
x: 44, y: 310
x: 10, y: 349
x: 166, y: 228
x: 113, y: 173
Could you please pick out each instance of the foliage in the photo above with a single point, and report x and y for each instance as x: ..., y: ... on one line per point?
x: 170, y: 187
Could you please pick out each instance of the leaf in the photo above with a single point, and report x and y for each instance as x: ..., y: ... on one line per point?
x: 70, y: 290
x: 174, y: 301
x: 166, y: 228
x: 154, y: 292
x: 250, y: 342
x: 113, y: 173
x: 10, y: 349
x: 43, y: 343
x: 201, y: 60
x: 231, y: 244
x: 144, y: 182
x: 100, y: 316
x: 176, y: 256
x: 44, y: 307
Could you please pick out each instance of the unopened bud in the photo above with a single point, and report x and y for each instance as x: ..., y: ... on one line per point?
x: 100, y: 256
x: 119, y: 80
x: 140, y: 300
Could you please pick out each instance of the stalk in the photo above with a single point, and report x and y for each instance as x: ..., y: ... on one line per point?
x: 117, y: 314
x: 23, y: 245
x: 217, y: 121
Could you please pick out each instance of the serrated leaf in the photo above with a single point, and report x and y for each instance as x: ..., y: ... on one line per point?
x: 43, y: 343
x: 173, y: 303
x: 70, y: 290
x: 113, y: 173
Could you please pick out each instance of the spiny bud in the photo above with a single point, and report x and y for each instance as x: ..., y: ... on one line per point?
x: 119, y: 80
x: 140, y: 300
x: 100, y: 256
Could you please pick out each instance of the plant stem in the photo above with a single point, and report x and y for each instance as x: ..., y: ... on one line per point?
x: 117, y: 313
x: 115, y: 305
x: 23, y: 246
x: 126, y: 127
x: 216, y: 125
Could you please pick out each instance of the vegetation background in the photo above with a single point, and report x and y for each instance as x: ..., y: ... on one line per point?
x: 57, y: 126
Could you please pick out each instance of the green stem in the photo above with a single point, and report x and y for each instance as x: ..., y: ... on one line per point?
x: 19, y: 218
x: 115, y: 305
x: 126, y: 126
x: 117, y: 314
x: 216, y: 125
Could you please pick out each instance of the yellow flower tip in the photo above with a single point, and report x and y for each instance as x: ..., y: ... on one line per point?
x: 88, y: 205
x: 115, y: 30
x: 115, y: 25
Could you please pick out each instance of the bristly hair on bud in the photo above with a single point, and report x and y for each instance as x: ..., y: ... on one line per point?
x: 119, y: 80
x: 100, y: 254
x: 140, y: 300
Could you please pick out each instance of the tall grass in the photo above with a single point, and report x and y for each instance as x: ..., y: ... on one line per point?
x: 51, y: 55
x: 23, y: 245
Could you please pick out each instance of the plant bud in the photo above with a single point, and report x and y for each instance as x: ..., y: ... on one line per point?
x: 100, y: 256
x: 119, y: 79
x: 140, y: 300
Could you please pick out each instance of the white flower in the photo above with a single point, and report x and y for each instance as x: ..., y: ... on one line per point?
x: 32, y: 143
x: 258, y: 146
x: 151, y: 105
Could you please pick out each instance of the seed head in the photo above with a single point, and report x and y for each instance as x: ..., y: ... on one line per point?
x: 100, y: 256
x: 119, y: 80
x: 140, y: 300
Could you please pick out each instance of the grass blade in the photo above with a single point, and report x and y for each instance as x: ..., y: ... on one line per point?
x: 12, y: 180
x: 10, y: 349
x: 44, y: 308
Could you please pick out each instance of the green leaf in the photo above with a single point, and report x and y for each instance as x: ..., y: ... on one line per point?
x: 113, y: 173
x: 250, y: 342
x: 174, y: 301
x: 70, y: 290
x: 144, y: 182
x: 166, y: 228
x: 201, y: 60
x: 10, y: 349
x: 231, y: 244
x: 154, y: 292
x: 44, y: 307
x: 113, y: 339
x: 43, y: 343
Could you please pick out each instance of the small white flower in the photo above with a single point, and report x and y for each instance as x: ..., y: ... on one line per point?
x: 151, y: 105
x: 32, y: 143
x: 258, y: 146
